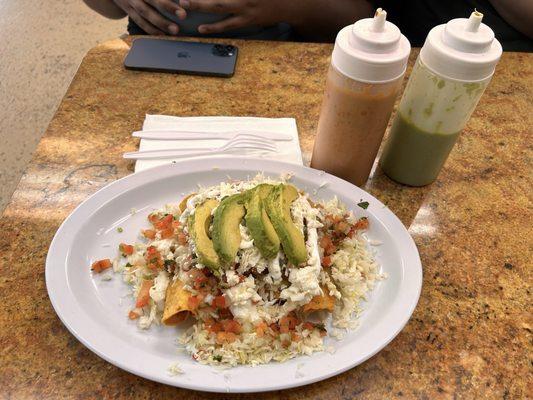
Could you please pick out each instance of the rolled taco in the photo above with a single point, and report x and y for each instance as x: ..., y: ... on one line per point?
x: 183, y: 204
x: 176, y: 304
x: 322, y: 302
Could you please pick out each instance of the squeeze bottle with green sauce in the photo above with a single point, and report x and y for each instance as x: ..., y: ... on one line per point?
x: 453, y: 69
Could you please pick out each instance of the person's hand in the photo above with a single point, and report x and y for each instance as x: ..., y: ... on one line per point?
x: 145, y: 14
x: 243, y: 13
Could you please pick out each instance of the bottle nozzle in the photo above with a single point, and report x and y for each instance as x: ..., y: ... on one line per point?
x: 472, y: 25
x: 378, y: 23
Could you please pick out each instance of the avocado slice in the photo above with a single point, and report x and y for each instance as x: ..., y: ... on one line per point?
x: 278, y: 207
x: 199, y: 231
x: 265, y: 237
x: 226, y: 233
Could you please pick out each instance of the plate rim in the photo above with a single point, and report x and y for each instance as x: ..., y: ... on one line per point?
x: 235, y: 162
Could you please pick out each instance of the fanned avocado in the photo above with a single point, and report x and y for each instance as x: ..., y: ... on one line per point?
x: 260, y: 226
x: 226, y: 233
x: 278, y: 206
x: 199, y: 231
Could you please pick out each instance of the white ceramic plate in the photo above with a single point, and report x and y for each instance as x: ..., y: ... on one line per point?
x: 95, y: 311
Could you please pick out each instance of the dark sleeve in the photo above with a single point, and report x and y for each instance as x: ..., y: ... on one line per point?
x: 416, y: 18
x: 134, y: 29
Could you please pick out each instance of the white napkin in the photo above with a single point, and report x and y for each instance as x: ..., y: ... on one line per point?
x: 287, y: 151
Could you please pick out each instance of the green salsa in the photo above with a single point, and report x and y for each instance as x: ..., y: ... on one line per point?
x: 413, y: 156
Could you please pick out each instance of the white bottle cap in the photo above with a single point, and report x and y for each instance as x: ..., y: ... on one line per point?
x: 463, y: 49
x: 371, y: 50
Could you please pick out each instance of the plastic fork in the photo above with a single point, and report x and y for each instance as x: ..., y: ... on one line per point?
x: 240, y: 142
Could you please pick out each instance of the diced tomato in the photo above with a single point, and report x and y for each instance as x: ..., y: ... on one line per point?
x: 176, y: 224
x: 326, y: 261
x: 198, y: 277
x: 153, y: 218
x: 149, y: 233
x: 295, y: 337
x: 194, y: 301
x: 327, y: 244
x: 361, y: 224
x: 242, y: 278
x: 333, y: 219
x: 196, y: 274
x: 144, y: 294
x: 342, y: 227
x: 226, y: 337
x: 209, y: 323
x: 260, y: 329
x: 287, y: 323
x: 308, y: 326
x: 219, y: 302
x: 153, y: 258
x: 182, y: 238
x: 167, y: 233
x: 214, y: 327
x: 230, y: 325
x: 275, y: 328
x: 164, y: 223
x: 101, y: 265
x: 225, y: 313
x: 133, y: 315
x: 125, y: 249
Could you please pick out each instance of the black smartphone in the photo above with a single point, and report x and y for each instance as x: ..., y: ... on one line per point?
x: 192, y: 58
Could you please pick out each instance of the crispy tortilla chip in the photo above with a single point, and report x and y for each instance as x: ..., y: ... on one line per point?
x: 318, y: 303
x: 183, y: 204
x: 176, y: 304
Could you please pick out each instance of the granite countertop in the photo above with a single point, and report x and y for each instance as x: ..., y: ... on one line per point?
x: 470, y: 335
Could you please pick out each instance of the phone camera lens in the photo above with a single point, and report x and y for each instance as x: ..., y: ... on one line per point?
x: 223, y: 50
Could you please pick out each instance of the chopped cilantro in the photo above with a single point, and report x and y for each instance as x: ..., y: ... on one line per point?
x: 363, y: 204
x: 128, y: 265
x: 217, y: 358
x: 120, y: 230
x: 169, y: 263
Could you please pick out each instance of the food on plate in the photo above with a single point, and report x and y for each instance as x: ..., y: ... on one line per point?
x: 258, y: 222
x: 101, y: 265
x: 176, y: 308
x: 199, y: 224
x: 260, y: 271
x: 278, y: 204
x: 226, y: 231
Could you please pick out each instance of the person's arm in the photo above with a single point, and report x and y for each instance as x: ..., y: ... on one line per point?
x: 322, y: 19
x: 145, y: 13
x: 518, y: 13
x: 312, y: 19
x: 107, y: 8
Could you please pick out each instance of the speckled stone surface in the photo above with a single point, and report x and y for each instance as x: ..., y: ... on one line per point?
x: 38, y: 60
x: 470, y: 335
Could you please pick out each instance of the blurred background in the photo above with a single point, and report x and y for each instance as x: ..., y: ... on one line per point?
x: 42, y: 45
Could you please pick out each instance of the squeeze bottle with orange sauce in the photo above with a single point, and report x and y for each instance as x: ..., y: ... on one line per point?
x: 366, y: 72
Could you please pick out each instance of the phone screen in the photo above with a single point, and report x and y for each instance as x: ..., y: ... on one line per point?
x: 193, y: 58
